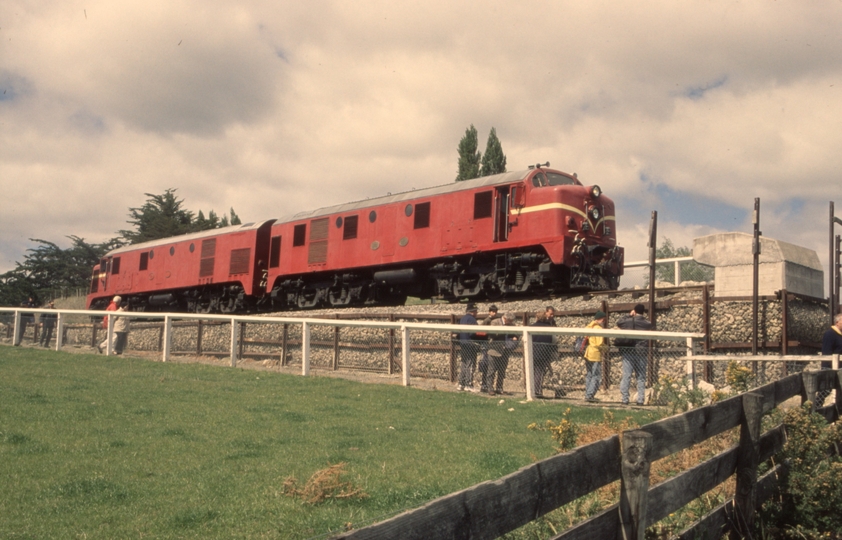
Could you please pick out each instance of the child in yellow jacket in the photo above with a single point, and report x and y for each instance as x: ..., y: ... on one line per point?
x: 597, y: 348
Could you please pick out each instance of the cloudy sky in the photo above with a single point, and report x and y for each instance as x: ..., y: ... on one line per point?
x: 689, y: 108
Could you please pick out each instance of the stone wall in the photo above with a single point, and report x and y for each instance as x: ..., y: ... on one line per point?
x: 367, y: 349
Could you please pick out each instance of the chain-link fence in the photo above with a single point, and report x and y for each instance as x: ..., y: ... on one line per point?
x: 496, y: 363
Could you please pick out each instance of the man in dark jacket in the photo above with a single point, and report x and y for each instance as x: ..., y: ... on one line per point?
x: 832, y: 340
x: 500, y: 347
x: 26, y: 318
x: 468, y: 350
x: 544, y: 350
x: 48, y: 322
x: 633, y: 352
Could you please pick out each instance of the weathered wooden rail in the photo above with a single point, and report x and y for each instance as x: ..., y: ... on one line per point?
x: 491, y: 509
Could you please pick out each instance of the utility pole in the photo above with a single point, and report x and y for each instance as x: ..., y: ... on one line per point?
x: 755, y: 251
x: 833, y: 263
x: 653, y: 244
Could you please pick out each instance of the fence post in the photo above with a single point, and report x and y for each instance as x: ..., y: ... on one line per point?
x: 17, y: 338
x: 391, y: 369
x: 305, y: 348
x: 405, y: 354
x: 747, y: 461
x: 161, y: 338
x: 838, y: 384
x: 242, y: 340
x: 634, y: 484
x: 528, y: 365
x: 109, y: 336
x: 809, y: 386
x: 452, y: 352
x: 335, y: 362
x: 689, y: 367
x: 59, y: 332
x: 606, y: 361
x: 199, y: 329
x: 284, y: 344
x: 167, y: 341
x: 235, y: 338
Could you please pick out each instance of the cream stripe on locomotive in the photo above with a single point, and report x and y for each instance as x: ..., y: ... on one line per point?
x: 560, y: 206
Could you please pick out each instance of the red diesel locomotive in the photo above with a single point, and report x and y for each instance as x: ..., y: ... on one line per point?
x: 527, y: 233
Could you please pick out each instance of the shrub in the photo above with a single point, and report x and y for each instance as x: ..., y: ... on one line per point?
x: 812, y: 491
x: 677, y: 394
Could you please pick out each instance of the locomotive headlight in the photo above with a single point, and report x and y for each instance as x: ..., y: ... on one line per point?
x: 596, y: 191
x: 594, y: 212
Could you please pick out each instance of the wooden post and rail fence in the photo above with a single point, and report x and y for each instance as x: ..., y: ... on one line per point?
x: 493, y: 508
x: 496, y: 507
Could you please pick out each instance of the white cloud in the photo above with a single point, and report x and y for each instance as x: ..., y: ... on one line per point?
x: 276, y: 107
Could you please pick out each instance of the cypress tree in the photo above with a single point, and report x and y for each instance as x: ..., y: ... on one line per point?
x: 494, y: 160
x: 469, y: 156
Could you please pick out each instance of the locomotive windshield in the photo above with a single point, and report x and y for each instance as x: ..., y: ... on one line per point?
x: 543, y: 179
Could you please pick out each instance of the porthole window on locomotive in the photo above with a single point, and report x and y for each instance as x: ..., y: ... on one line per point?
x: 151, y: 254
x: 338, y: 222
x: 192, y: 247
x: 172, y: 250
x: 408, y: 210
x: 372, y: 216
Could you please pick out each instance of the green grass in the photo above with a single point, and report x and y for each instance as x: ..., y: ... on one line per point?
x: 98, y: 447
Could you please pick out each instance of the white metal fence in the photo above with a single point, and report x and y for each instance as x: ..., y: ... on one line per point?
x: 405, y: 348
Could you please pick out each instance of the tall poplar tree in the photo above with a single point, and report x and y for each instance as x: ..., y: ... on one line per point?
x: 494, y: 160
x: 469, y: 156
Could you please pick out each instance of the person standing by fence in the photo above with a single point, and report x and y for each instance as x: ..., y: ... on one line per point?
x: 468, y: 350
x: 121, y: 332
x: 484, y: 361
x: 544, y: 350
x: 633, y: 352
x: 26, y: 318
x: 832, y: 340
x: 597, y: 347
x: 113, y: 306
x: 48, y: 322
x: 499, y: 348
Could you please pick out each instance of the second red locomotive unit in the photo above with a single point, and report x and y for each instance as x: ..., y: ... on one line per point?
x: 527, y: 233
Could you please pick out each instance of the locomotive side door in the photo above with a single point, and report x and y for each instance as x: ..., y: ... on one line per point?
x: 501, y: 214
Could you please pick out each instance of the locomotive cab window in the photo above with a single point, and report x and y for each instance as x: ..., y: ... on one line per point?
x: 556, y: 179
x: 350, y: 230
x: 422, y: 215
x: 115, y: 265
x: 482, y: 205
x: 299, y: 234
x: 539, y: 180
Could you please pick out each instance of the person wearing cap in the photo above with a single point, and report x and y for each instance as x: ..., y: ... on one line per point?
x: 468, y: 350
x: 113, y: 306
x: 633, y: 352
x: 594, y: 354
x: 48, y: 322
x: 500, y: 347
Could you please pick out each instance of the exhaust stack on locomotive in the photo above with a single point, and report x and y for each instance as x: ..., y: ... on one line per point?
x: 527, y: 233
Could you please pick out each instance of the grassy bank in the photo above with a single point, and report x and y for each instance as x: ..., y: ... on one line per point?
x: 99, y: 447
